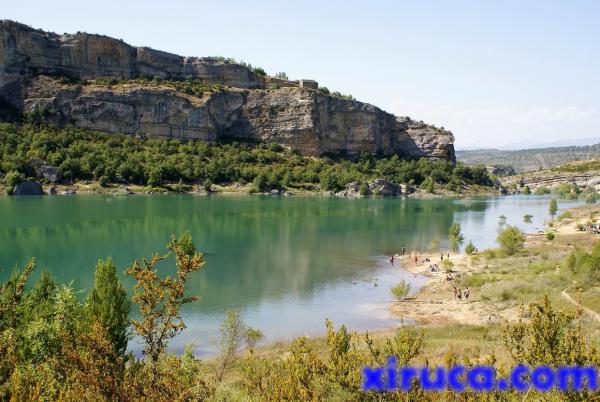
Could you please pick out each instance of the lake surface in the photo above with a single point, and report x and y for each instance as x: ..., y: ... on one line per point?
x: 286, y: 263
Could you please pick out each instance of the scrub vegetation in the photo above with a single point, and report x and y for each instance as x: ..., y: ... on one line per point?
x: 170, y: 163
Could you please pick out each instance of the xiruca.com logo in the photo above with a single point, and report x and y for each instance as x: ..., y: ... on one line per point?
x: 479, y: 378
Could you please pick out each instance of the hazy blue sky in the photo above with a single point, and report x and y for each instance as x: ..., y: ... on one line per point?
x: 495, y: 73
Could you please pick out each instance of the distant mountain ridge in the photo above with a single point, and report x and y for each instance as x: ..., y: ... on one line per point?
x: 525, y: 160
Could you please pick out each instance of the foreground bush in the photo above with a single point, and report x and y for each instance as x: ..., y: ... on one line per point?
x: 54, y: 347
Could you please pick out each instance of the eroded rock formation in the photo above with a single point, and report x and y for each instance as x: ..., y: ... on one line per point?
x: 312, y: 122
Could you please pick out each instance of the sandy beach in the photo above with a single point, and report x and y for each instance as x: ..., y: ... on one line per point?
x: 434, y: 303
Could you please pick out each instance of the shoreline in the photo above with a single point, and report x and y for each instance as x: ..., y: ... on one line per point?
x: 93, y: 188
x: 434, y: 305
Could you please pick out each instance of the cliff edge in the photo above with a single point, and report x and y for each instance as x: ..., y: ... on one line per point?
x: 62, y: 80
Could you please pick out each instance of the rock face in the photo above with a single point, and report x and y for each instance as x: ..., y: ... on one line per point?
x: 28, y: 188
x: 303, y: 119
x: 24, y: 50
x: 45, y: 170
x: 549, y: 179
x: 377, y: 187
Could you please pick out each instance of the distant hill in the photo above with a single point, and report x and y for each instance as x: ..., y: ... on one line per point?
x: 525, y: 160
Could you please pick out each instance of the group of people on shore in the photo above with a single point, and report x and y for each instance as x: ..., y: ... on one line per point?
x: 459, y: 294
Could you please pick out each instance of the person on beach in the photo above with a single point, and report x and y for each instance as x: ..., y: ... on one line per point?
x: 454, y: 292
x: 466, y: 293
x: 391, y: 260
x: 448, y: 254
x: 416, y: 259
x: 459, y: 295
x: 403, y: 249
x: 441, y: 256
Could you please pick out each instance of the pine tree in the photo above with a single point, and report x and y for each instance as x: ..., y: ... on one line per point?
x: 108, y: 305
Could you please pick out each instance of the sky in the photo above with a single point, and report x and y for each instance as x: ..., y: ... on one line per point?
x: 498, y: 74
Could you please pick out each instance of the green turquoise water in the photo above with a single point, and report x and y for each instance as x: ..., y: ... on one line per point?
x: 286, y: 263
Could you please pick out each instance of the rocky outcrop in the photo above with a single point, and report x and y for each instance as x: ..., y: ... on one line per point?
x: 377, y: 187
x: 44, y: 170
x: 28, y: 51
x: 550, y: 180
x: 28, y: 188
x: 307, y: 120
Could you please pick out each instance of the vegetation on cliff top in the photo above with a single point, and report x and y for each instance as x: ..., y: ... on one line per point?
x: 85, y: 155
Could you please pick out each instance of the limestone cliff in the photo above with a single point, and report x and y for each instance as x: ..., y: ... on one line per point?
x: 307, y: 120
x: 24, y: 50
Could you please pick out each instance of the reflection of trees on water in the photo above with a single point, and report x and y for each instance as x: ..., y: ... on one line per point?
x: 255, y: 247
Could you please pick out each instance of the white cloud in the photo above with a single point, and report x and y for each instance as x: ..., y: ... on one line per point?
x: 490, y: 127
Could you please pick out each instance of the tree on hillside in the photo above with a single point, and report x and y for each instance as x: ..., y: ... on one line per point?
x: 109, y: 305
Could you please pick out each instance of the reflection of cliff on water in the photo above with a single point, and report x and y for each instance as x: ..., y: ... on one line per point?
x: 256, y: 247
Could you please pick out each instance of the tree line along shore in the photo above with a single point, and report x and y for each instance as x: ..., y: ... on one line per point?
x: 72, y: 158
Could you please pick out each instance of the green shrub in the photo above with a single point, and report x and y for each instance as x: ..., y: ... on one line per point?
x: 470, y: 248
x: 363, y: 189
x: 11, y: 180
x: 261, y: 183
x: 260, y: 71
x: 565, y: 215
x: 207, y: 184
x: 447, y: 265
x: 428, y: 185
x: 454, y: 233
x: 511, y: 239
x: 553, y: 207
x: 103, y: 181
x: 526, y: 190
x: 400, y: 290
x: 591, y: 198
x: 506, y: 295
x: 542, y: 191
x: 527, y: 218
x: 550, y: 236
